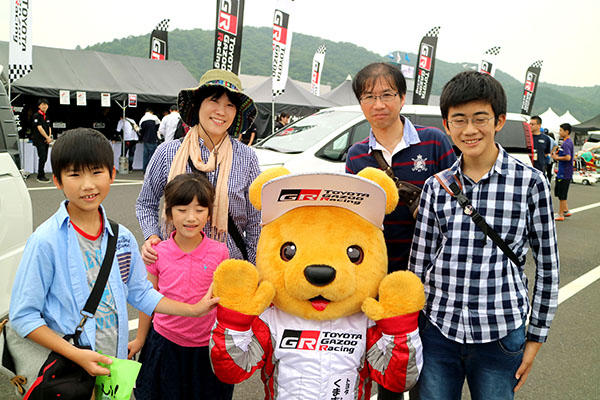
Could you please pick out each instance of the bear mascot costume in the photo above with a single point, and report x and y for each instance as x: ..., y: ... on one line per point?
x: 318, y: 315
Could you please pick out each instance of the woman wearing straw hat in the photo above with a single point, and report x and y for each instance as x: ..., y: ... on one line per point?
x: 218, y: 112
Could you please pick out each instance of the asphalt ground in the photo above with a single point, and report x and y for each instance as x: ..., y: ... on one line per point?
x: 568, y: 365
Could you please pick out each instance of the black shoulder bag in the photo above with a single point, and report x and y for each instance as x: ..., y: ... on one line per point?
x: 232, y: 228
x: 408, y: 193
x: 455, y: 190
x: 59, y: 377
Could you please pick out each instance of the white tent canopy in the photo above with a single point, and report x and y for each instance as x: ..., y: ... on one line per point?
x: 568, y: 118
x: 550, y: 120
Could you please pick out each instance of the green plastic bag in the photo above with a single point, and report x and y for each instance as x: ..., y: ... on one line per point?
x: 118, y: 385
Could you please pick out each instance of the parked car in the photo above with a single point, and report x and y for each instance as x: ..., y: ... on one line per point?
x: 585, y: 177
x: 592, y: 141
x: 15, y: 204
x: 320, y: 142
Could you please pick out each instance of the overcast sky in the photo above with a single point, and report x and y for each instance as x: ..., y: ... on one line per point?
x: 563, y: 33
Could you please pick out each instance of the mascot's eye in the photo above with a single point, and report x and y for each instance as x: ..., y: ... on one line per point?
x: 288, y: 251
x: 355, y: 254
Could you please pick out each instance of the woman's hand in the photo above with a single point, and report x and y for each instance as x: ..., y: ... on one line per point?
x: 149, y: 255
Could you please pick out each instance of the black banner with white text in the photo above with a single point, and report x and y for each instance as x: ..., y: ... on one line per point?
x: 425, y: 66
x: 159, y: 43
x: 228, y: 35
x: 531, y: 82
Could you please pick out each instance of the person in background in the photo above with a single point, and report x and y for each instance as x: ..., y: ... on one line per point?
x: 217, y: 111
x: 149, y: 135
x: 282, y: 120
x: 41, y: 136
x: 168, y: 125
x: 474, y: 324
x: 549, y: 160
x: 130, y: 137
x: 564, y: 154
x: 247, y: 137
x: 541, y: 144
x: 414, y: 153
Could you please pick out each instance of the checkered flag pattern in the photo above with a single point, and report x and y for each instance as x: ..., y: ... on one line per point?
x: 278, y: 92
x: 322, y: 49
x: 494, y: 51
x: 433, y: 32
x: 163, y: 25
x: 537, y: 64
x: 16, y: 71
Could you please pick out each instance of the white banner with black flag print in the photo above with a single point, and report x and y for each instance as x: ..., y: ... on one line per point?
x: 159, y: 42
x: 317, y: 69
x: 489, y: 61
x: 282, y: 44
x: 20, y: 61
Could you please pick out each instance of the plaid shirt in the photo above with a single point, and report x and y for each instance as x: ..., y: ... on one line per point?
x: 474, y: 293
x: 244, y: 169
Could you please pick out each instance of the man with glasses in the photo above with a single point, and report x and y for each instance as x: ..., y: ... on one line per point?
x: 414, y: 153
x: 477, y: 322
x: 541, y: 144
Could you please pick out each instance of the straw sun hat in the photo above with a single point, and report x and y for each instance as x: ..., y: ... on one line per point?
x: 189, y: 100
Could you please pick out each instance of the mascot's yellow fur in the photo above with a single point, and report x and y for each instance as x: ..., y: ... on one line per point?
x: 318, y: 264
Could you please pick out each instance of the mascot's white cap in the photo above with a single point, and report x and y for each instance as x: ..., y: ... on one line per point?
x: 352, y: 192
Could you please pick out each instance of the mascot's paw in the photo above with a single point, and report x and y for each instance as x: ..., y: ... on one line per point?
x: 400, y: 293
x: 236, y: 284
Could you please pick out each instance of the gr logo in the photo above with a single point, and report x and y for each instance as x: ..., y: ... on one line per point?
x: 158, y: 49
x: 530, y: 80
x: 486, y: 67
x: 425, y: 56
x: 298, y: 194
x: 299, y: 340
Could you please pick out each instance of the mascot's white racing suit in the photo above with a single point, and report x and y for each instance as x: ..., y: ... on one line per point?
x: 309, y: 359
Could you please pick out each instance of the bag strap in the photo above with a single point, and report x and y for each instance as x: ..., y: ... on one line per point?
x: 96, y: 294
x: 232, y: 228
x: 378, y: 155
x: 454, y: 188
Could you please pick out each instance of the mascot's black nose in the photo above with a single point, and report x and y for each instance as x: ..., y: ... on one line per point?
x: 319, y: 275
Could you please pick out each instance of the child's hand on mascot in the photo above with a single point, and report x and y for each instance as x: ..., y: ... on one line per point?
x: 236, y: 284
x: 400, y: 293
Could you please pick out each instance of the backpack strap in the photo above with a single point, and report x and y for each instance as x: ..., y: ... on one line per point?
x: 451, y: 184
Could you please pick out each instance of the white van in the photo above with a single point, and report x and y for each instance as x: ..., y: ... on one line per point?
x: 320, y: 142
x: 593, y: 140
x: 16, y: 220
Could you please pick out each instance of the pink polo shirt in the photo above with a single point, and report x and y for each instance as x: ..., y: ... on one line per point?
x: 186, y: 277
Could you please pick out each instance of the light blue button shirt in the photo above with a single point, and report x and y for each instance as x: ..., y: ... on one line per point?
x: 51, y: 286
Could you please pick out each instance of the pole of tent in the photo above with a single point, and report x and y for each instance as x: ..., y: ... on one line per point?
x: 123, y: 161
x: 272, y: 115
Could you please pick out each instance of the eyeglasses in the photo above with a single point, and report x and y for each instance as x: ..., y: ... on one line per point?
x: 385, y: 98
x: 478, y: 122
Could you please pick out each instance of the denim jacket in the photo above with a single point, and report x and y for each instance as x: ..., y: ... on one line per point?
x: 51, y: 286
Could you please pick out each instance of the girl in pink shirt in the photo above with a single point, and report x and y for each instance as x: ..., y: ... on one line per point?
x: 175, y: 361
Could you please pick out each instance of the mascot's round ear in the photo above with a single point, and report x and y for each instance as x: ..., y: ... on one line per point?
x: 386, y: 183
x: 256, y: 186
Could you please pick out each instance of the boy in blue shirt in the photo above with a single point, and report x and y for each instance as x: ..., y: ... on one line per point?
x: 473, y: 325
x: 564, y: 155
x: 63, y: 256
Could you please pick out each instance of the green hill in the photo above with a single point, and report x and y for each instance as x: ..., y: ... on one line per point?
x: 194, y: 48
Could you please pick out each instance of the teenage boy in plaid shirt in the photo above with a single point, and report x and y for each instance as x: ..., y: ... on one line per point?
x: 474, y: 321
